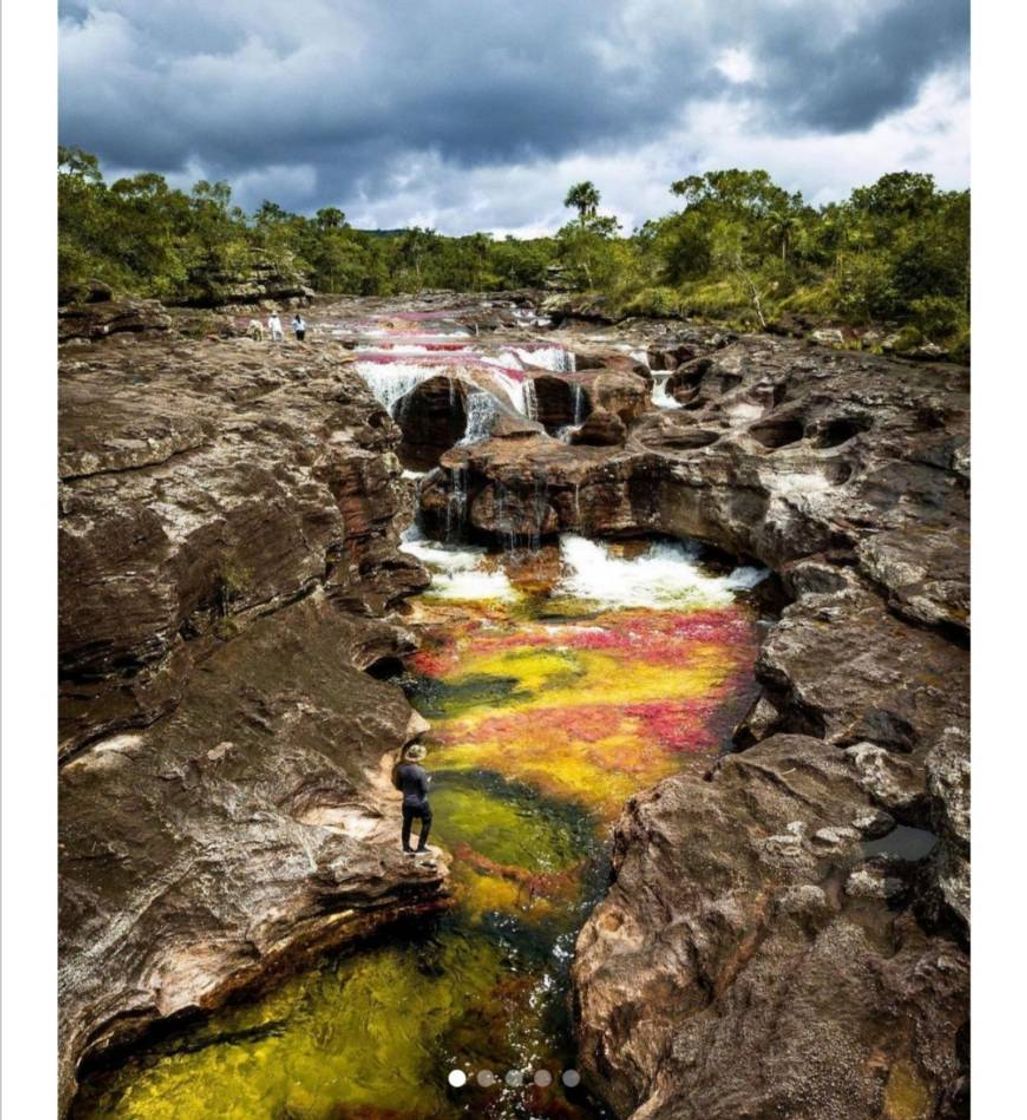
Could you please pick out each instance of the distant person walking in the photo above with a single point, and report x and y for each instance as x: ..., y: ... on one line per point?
x: 274, y: 326
x: 299, y: 326
x: 412, y: 779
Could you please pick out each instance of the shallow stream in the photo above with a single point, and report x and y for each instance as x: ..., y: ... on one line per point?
x: 551, y: 703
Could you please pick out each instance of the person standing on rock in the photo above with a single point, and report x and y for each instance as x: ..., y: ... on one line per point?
x: 274, y: 326
x: 412, y: 779
x: 299, y: 326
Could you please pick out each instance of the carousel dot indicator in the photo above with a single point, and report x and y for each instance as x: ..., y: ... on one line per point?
x: 571, y: 1078
x: 486, y: 1078
x: 514, y: 1078
x: 457, y: 1078
x: 542, y: 1078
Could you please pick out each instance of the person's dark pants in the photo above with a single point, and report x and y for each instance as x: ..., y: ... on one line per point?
x: 424, y: 814
x: 301, y: 335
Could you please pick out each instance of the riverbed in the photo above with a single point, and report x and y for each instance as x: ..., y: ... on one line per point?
x: 559, y: 681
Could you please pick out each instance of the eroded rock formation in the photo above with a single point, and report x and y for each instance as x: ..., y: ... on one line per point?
x: 754, y: 957
x: 227, y: 539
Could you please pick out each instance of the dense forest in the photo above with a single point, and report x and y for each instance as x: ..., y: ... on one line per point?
x: 740, y: 249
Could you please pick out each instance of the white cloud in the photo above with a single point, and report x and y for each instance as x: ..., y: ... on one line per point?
x: 736, y: 65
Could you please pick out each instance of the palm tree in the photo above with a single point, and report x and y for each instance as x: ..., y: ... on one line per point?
x: 782, y: 225
x: 584, y: 198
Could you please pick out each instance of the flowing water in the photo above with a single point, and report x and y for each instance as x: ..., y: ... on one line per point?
x: 558, y: 684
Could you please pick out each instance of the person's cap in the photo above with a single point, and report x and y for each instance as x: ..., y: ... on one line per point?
x: 416, y: 752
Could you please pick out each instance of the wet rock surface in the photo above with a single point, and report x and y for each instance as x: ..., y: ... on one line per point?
x: 749, y: 959
x: 228, y: 525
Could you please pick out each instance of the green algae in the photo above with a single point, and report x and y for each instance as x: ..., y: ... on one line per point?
x: 368, y: 1031
x: 508, y: 823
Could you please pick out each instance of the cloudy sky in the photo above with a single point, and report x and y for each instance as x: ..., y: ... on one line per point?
x: 478, y: 114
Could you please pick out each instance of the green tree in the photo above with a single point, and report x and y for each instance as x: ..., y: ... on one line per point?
x: 584, y: 198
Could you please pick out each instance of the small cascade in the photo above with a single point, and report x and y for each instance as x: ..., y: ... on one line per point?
x: 554, y: 358
x: 391, y: 382
x: 514, y: 387
x: 661, y: 398
x: 482, y: 410
x: 530, y: 399
x: 578, y: 396
x: 539, y: 509
x: 456, y: 505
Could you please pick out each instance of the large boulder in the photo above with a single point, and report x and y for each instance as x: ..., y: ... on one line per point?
x: 602, y: 429
x: 432, y: 417
x: 753, y: 959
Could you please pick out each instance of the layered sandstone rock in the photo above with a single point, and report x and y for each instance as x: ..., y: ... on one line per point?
x: 750, y: 960
x: 227, y: 536
x: 99, y: 318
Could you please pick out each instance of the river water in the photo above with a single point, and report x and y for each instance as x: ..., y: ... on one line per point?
x: 558, y: 685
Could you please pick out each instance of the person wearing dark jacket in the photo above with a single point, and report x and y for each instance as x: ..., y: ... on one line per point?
x: 413, y: 781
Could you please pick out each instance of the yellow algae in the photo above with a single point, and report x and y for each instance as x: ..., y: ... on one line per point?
x: 600, y: 678
x: 583, y: 772
x: 906, y: 1097
x: 364, y: 1035
x: 483, y: 894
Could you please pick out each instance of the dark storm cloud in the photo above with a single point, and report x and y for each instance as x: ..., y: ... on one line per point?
x: 347, y: 92
x: 844, y: 82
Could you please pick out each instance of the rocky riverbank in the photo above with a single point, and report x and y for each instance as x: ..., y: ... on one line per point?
x: 228, y: 525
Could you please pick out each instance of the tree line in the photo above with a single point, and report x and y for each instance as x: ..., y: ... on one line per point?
x: 739, y: 249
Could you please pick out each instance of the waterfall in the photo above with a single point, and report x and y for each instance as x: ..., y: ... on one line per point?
x: 507, y: 535
x: 514, y: 388
x: 530, y: 399
x: 456, y: 504
x: 539, y: 508
x: 661, y: 398
x: 482, y: 410
x: 392, y: 381
x: 578, y: 395
x: 554, y: 358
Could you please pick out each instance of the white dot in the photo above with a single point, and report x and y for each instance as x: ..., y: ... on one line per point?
x: 457, y: 1078
x: 486, y: 1078
x: 570, y: 1078
x: 543, y: 1078
x: 514, y: 1078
